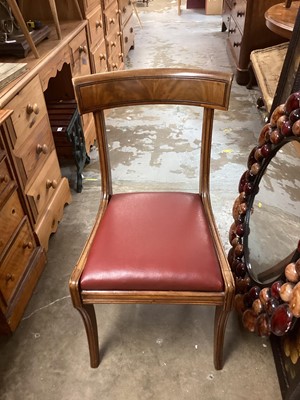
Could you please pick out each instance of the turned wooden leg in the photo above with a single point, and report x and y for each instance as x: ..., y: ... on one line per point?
x: 221, y: 318
x: 88, y: 315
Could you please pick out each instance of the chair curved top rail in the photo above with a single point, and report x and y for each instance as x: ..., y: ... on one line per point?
x: 150, y: 86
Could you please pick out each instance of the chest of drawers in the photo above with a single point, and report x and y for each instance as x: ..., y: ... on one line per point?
x: 21, y: 257
x: 244, y: 23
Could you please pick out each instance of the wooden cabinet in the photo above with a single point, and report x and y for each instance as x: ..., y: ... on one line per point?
x: 21, y: 257
x: 244, y: 23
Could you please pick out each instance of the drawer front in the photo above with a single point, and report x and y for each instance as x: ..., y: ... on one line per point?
x: 126, y: 10
x: 6, y: 178
x: 16, y: 261
x: 11, y: 215
x: 128, y: 37
x: 89, y: 5
x: 235, y: 39
x: 33, y: 154
x: 111, y: 16
x: 239, y: 13
x: 29, y: 109
x: 79, y: 54
x: 95, y: 27
x: 40, y: 192
x: 114, y: 44
x: 98, y: 58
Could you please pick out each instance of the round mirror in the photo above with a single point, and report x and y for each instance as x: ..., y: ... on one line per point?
x: 274, y: 220
x: 265, y: 252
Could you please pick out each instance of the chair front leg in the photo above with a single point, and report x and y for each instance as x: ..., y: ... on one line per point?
x: 88, y: 315
x: 221, y: 317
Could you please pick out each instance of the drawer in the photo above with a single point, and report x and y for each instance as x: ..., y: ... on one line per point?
x: 16, y: 261
x: 29, y: 109
x: 111, y: 16
x: 98, y: 58
x: 89, y: 5
x: 125, y: 10
x: 235, y: 39
x: 11, y: 215
x: 128, y: 37
x: 239, y: 13
x: 113, y: 43
x: 43, y: 188
x: 107, y: 3
x: 6, y: 178
x: 95, y: 27
x: 33, y: 154
x: 79, y: 55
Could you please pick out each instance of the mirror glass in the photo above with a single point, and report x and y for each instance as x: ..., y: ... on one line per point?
x: 275, y: 220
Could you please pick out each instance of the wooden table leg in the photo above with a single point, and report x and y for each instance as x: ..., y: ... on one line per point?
x: 55, y: 17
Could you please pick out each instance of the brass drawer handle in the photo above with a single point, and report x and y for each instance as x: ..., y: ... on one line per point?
x: 102, y: 56
x: 9, y: 277
x: 124, y: 10
x: 82, y: 49
x: 51, y: 184
x: 27, y: 245
x: 42, y: 149
x: 119, y: 34
x: 240, y: 14
x: 4, y: 178
x: 118, y: 11
x: 32, y: 108
x: 232, y: 30
x: 111, y: 20
x: 114, y: 66
x: 121, y: 55
x: 236, y: 44
x: 113, y: 44
x: 98, y: 24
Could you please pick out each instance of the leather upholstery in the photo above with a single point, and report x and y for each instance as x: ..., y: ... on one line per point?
x: 153, y: 241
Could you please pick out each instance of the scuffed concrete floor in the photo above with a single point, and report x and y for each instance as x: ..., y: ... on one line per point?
x: 148, y: 352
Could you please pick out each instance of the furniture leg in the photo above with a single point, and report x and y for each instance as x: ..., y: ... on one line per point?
x: 221, y: 317
x: 55, y: 17
x: 88, y: 315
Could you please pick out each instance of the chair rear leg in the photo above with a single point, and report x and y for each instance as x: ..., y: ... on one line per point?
x: 221, y: 317
x: 88, y: 315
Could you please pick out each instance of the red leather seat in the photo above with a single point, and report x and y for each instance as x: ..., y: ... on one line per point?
x: 141, y: 245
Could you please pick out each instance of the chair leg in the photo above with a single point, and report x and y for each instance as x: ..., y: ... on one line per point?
x: 221, y: 317
x: 88, y: 315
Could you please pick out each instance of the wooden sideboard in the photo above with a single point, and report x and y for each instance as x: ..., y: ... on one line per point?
x: 33, y: 192
x: 244, y: 23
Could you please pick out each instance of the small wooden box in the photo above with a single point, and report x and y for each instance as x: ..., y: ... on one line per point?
x: 213, y: 7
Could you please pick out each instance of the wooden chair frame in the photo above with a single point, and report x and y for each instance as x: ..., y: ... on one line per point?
x: 98, y: 92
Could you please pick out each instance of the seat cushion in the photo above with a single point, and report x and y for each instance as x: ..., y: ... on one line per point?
x: 153, y: 241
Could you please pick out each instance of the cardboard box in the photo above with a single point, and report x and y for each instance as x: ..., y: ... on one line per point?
x: 213, y: 7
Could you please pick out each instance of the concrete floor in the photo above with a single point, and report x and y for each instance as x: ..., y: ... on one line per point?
x: 148, y: 351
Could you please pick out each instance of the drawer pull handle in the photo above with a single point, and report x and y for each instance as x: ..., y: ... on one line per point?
x: 113, y: 44
x: 28, y: 245
x: 124, y: 10
x: 131, y: 30
x: 4, y: 178
x: 236, y: 44
x: 232, y: 30
x: 42, y: 149
x: 111, y: 20
x: 118, y: 11
x: 102, y: 56
x: 114, y: 66
x: 121, y: 55
x: 119, y: 34
x: 9, y: 277
x: 51, y: 184
x: 240, y: 14
x: 98, y: 24
x: 82, y: 49
x: 32, y: 108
